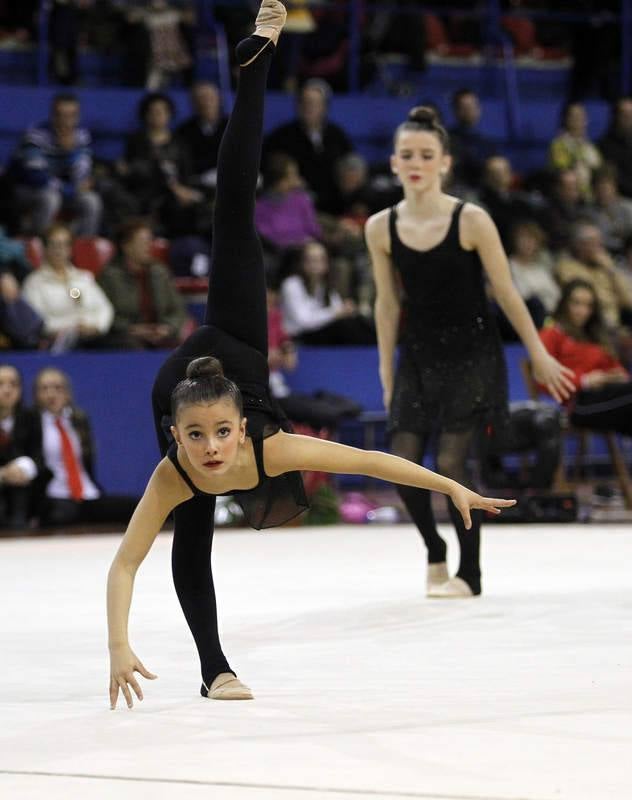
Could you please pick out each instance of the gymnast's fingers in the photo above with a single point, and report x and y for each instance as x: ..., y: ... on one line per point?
x: 114, y: 690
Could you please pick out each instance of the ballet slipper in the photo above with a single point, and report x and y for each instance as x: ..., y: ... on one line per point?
x: 227, y: 687
x: 436, y: 575
x: 452, y: 588
x: 268, y: 26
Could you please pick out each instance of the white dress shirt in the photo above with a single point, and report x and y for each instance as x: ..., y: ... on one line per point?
x: 303, y: 311
x: 58, y: 487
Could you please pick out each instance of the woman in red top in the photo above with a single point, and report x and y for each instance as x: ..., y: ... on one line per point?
x: 578, y: 340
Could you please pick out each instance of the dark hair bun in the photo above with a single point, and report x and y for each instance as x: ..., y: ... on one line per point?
x: 424, y: 115
x: 205, y: 367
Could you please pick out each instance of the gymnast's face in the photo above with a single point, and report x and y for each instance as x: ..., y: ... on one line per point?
x: 419, y: 160
x: 211, y: 435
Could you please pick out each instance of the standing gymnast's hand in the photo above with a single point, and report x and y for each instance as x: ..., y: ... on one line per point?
x: 557, y: 378
x: 123, y: 664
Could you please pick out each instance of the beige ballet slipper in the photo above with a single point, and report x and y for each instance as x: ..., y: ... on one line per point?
x: 436, y: 575
x: 227, y: 687
x: 452, y: 588
x: 268, y: 24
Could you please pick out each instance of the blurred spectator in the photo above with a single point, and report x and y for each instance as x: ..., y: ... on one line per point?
x: 532, y: 270
x: 579, y: 340
x: 313, y: 311
x: 158, y: 40
x: 590, y: 262
x: 319, y: 410
x: 157, y: 172
x: 611, y: 213
x: 401, y: 31
x: 616, y: 145
x: 67, y: 488
x: 148, y: 310
x: 20, y: 324
x: 566, y: 208
x: 468, y: 147
x: 506, y: 205
x: 20, y: 458
x: 64, y: 28
x: 52, y: 171
x: 75, y: 310
x: 200, y: 135
x: 356, y: 199
x: 285, y: 215
x: 572, y: 149
x: 314, y: 143
x: 18, y: 21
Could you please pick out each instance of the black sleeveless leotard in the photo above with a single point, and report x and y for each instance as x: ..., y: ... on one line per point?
x: 451, y: 373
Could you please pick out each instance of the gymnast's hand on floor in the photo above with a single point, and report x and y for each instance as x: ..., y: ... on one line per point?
x: 465, y: 500
x: 123, y: 664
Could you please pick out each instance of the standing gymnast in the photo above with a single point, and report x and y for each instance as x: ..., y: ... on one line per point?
x: 451, y: 379
x: 210, y: 448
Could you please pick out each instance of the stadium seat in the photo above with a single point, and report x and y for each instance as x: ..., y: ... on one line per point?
x: 92, y: 253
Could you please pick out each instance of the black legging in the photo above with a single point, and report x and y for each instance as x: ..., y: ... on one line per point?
x: 452, y: 452
x: 236, y: 304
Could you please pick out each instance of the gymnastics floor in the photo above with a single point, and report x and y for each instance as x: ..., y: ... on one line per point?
x: 365, y: 690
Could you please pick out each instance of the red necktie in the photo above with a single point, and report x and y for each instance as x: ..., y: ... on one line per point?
x: 70, y: 463
x: 5, y: 438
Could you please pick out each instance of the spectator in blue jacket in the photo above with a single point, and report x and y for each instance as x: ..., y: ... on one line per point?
x: 52, y: 171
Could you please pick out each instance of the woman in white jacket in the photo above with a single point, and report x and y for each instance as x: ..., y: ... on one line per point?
x: 75, y: 310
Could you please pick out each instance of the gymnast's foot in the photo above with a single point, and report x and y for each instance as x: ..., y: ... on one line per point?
x: 435, y: 576
x: 227, y: 687
x: 454, y: 588
x: 268, y: 25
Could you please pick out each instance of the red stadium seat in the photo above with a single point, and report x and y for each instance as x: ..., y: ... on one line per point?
x: 34, y: 250
x: 92, y: 253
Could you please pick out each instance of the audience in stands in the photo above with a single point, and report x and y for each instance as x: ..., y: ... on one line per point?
x: 52, y: 172
x: 532, y: 270
x: 579, y: 339
x: 20, y: 458
x: 74, y: 308
x: 156, y: 170
x: 589, y: 261
x: 616, y: 144
x: 67, y: 490
x: 200, y: 135
x: 611, y: 212
x: 566, y: 208
x: 284, y: 214
x: 20, y: 324
x: 572, y: 149
x: 313, y: 311
x: 314, y: 142
x: 503, y: 201
x: 148, y: 309
x: 468, y: 146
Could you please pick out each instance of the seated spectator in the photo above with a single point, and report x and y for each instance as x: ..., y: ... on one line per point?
x: 67, y: 488
x: 52, y: 172
x: 572, y: 149
x: 468, y: 146
x: 20, y: 459
x: 532, y: 270
x: 319, y: 410
x: 589, y: 261
x: 313, y: 312
x: 148, y: 310
x: 157, y: 172
x: 313, y: 141
x: 566, y: 208
x: 200, y: 135
x: 285, y: 215
x: 578, y: 339
x: 20, y: 324
x: 158, y: 44
x: 75, y: 310
x: 504, y: 203
x: 611, y: 213
x: 616, y: 144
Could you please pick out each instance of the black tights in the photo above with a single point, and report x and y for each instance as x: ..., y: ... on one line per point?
x: 452, y: 453
x: 236, y: 305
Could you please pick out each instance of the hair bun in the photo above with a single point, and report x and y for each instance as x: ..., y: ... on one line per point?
x: 205, y: 367
x: 424, y: 115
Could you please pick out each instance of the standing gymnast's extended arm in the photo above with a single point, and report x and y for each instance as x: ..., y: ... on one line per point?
x: 480, y: 233
x: 159, y: 499
x: 286, y: 452
x: 387, y: 302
